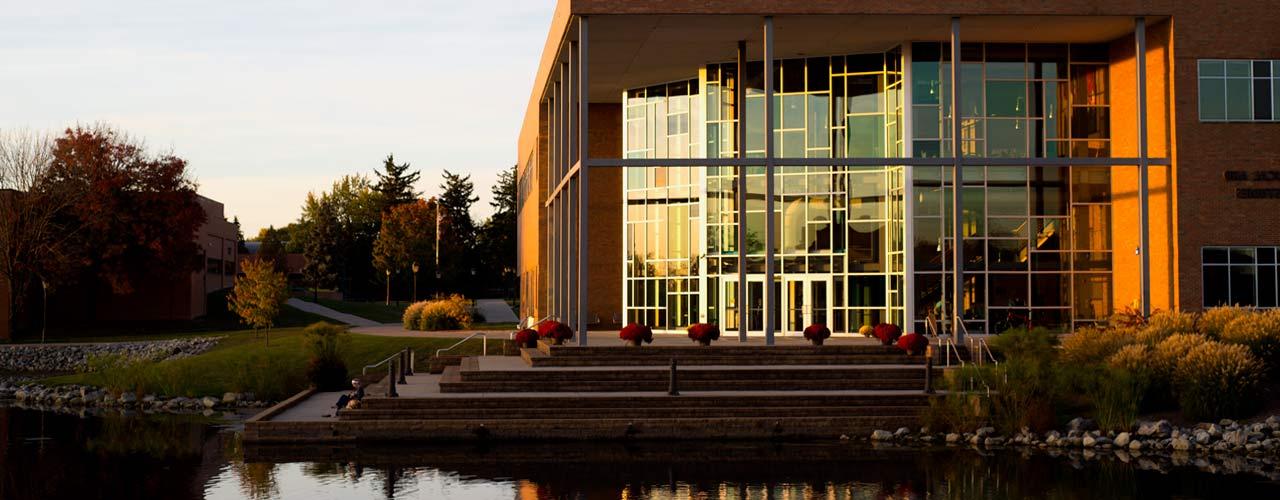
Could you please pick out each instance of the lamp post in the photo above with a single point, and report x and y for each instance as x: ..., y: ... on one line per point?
x: 415, y: 281
x: 388, y: 287
x: 44, y: 309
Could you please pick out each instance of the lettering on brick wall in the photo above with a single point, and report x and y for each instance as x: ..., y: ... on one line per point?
x: 1258, y: 194
x: 1254, y: 176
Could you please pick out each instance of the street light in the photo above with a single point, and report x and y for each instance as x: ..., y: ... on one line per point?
x: 44, y: 310
x: 388, y: 287
x: 415, y: 281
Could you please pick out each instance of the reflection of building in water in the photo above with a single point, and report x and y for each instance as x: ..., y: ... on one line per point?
x: 818, y: 184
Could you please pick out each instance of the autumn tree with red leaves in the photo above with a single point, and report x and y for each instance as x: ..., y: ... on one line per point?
x: 134, y: 215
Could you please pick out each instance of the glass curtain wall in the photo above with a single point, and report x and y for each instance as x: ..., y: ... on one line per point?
x: 838, y: 229
x: 1037, y: 242
x: 662, y: 231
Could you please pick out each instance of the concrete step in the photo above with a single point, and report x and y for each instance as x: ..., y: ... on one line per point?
x: 495, y: 429
x: 437, y: 364
x: 554, y: 402
x: 629, y: 412
x: 684, y: 385
x: 695, y: 373
x: 536, y: 358
x: 720, y: 349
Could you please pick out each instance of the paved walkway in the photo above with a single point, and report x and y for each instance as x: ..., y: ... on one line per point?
x: 320, y: 310
x: 496, y: 311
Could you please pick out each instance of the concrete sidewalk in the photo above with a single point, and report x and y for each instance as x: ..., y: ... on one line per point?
x: 496, y: 311
x: 320, y: 310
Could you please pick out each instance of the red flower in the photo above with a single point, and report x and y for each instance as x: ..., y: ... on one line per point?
x: 888, y: 333
x: 636, y: 333
x: 554, y: 330
x: 913, y: 343
x: 817, y: 332
x: 704, y: 332
x: 527, y: 338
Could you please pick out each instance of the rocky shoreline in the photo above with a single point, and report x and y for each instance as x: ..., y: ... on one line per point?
x: 83, y: 396
x: 46, y: 358
x: 1226, y: 446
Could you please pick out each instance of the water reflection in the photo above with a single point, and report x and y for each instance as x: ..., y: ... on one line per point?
x: 48, y: 455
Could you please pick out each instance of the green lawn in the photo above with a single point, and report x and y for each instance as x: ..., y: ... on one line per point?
x: 376, y: 311
x: 271, y: 368
x: 218, y: 322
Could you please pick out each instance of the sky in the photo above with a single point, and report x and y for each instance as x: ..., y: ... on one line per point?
x: 269, y: 100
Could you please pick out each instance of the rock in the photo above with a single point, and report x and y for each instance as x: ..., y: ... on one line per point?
x: 230, y: 398
x: 1136, y: 445
x: 952, y: 437
x: 993, y: 441
x: 985, y: 431
x: 1226, y: 422
x: 1088, y: 441
x: 1081, y: 424
x: 1202, y: 436
x: 22, y: 394
x: 151, y: 398
x: 1154, y: 429
x: 1235, y: 438
x: 209, y: 402
x: 1273, y: 422
x: 881, y: 435
x: 1180, y: 444
x: 1122, y: 439
x: 902, y: 432
x: 130, y: 398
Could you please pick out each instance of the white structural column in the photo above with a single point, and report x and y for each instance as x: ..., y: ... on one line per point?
x: 1144, y: 239
x: 771, y: 308
x: 957, y: 205
x: 571, y: 189
x: 908, y: 201
x: 739, y: 109
x: 583, y: 153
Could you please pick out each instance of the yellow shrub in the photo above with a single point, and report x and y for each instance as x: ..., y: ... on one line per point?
x: 1164, y: 324
x: 1169, y: 352
x: 411, y: 315
x: 1134, y: 358
x: 1214, y: 320
x: 1094, y: 345
x: 1218, y: 380
x: 1260, y: 332
x: 453, y: 313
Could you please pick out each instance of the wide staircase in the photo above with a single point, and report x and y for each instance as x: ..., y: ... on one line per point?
x: 616, y: 392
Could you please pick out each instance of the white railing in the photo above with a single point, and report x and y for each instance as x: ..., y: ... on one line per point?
x: 484, y: 350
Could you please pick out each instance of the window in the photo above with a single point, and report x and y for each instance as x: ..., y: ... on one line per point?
x: 1243, y: 276
x: 214, y: 265
x: 1234, y: 90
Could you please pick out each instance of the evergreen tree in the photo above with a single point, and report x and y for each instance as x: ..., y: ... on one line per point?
x: 497, y: 237
x: 321, y: 246
x: 457, y: 233
x: 396, y: 184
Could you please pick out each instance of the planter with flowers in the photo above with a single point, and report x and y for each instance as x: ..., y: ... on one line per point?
x: 554, y: 332
x: 913, y: 343
x: 527, y: 337
x: 867, y: 331
x: 634, y: 334
x: 816, y: 334
x: 888, y: 333
x: 704, y: 333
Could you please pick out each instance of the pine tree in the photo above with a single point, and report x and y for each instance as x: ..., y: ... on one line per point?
x: 457, y: 232
x: 321, y: 246
x: 396, y: 184
x: 497, y: 237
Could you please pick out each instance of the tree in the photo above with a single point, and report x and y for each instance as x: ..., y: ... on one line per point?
x: 407, y: 238
x: 396, y: 185
x: 240, y: 246
x: 497, y: 237
x: 271, y: 248
x: 134, y: 215
x: 32, y: 242
x: 321, y: 248
x: 259, y: 295
x: 457, y: 232
x: 357, y: 215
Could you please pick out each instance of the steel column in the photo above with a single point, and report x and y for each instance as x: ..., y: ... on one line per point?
x: 571, y: 219
x: 957, y: 206
x: 583, y: 153
x: 1144, y: 248
x: 908, y: 202
x: 739, y: 109
x: 771, y: 298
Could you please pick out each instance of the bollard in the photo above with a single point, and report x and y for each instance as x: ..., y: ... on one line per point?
x: 399, y: 361
x: 671, y: 389
x: 409, y: 350
x: 391, y: 380
x: 928, y: 370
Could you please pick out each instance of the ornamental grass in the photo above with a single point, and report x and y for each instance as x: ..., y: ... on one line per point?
x: 1095, y: 345
x: 1260, y: 332
x: 1214, y: 320
x: 412, y: 314
x: 451, y: 313
x: 1218, y: 380
x: 1164, y: 324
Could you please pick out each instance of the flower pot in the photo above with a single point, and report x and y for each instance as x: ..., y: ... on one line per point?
x: 634, y: 342
x: 816, y: 341
x: 705, y: 342
x: 557, y: 341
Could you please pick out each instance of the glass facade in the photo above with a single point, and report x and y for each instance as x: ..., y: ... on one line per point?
x: 1037, y: 240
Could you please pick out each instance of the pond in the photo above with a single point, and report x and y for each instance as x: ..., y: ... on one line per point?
x: 53, y: 455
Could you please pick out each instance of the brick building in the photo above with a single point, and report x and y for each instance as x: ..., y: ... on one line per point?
x: 843, y: 211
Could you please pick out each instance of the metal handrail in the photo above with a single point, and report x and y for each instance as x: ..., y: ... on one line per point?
x: 365, y: 370
x: 983, y: 348
x: 949, y: 347
x: 484, y: 350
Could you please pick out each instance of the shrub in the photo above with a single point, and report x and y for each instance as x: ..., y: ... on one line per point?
x: 555, y: 331
x: 1167, y: 354
x: 453, y: 313
x: 704, y: 333
x: 888, y: 333
x: 1214, y: 320
x: 1165, y: 324
x: 1094, y: 345
x: 412, y: 315
x: 1133, y: 358
x: 867, y: 331
x: 635, y: 334
x: 1116, y: 394
x: 1218, y: 380
x: 527, y: 337
x: 1036, y: 343
x: 913, y: 343
x: 326, y: 370
x: 817, y: 333
x: 1260, y: 332
x: 1015, y: 394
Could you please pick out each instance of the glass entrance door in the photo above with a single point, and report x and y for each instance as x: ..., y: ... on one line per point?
x: 807, y: 301
x: 754, y: 309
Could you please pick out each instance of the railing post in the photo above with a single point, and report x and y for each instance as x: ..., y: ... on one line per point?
x: 672, y: 389
x: 400, y: 368
x: 391, y: 380
x: 411, y: 360
x: 928, y: 370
